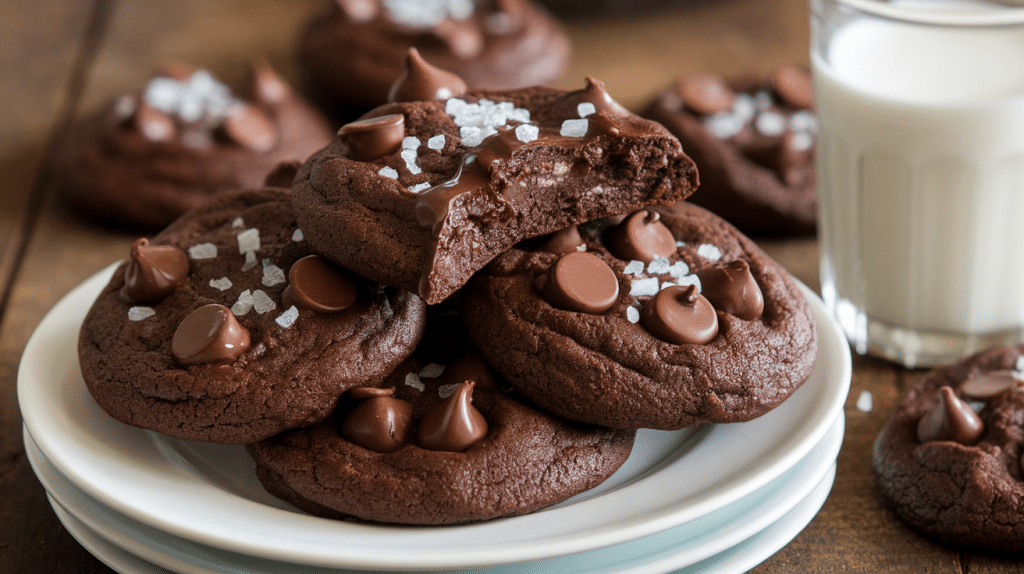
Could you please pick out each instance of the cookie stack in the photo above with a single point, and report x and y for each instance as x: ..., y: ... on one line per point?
x: 463, y: 308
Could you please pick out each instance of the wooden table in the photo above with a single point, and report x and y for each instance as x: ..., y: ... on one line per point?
x: 61, y: 59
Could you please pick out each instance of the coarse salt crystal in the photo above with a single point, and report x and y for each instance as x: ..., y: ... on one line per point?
x: 632, y: 314
x: 287, y: 318
x: 409, y: 155
x: 803, y: 121
x: 686, y: 280
x: 272, y: 274
x: 250, y: 261
x: 163, y: 93
x: 432, y: 371
x: 203, y: 251
x: 658, y: 266
x: 436, y: 142
x: 744, y: 107
x: 724, y: 125
x: 708, y: 251
x: 298, y: 236
x: 647, y: 287
x: 471, y: 136
x: 634, y: 267
x: 419, y: 187
x: 238, y: 222
x: 261, y: 302
x: 527, y: 133
x: 678, y: 269
x: 666, y: 285
x: 574, y: 128
x: 244, y: 303
x: 445, y: 391
x: 802, y: 141
x: 140, y: 313
x: 222, y: 284
x: 865, y: 402
x: 410, y: 142
x: 249, y: 240
x: 413, y: 380
x: 388, y: 172
x: 584, y: 109
x: 770, y: 124
x: 680, y: 244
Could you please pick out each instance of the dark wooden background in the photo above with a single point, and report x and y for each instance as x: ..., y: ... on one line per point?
x: 63, y: 58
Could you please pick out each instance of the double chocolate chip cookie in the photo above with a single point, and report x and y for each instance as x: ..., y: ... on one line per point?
x: 948, y: 459
x: 665, y: 319
x: 225, y: 328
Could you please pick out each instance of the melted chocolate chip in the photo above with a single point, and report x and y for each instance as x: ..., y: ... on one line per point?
x: 581, y: 282
x: 373, y: 138
x: 154, y: 271
x: 318, y: 285
x: 211, y: 333
x: 680, y: 315
x: 566, y: 240
x: 641, y: 236
x: 596, y: 93
x: 950, y: 419
x: 795, y: 86
x: 988, y: 385
x: 380, y: 422
x: 706, y: 94
x: 249, y: 127
x: 454, y: 424
x: 424, y: 82
x: 154, y: 124
x: 732, y: 289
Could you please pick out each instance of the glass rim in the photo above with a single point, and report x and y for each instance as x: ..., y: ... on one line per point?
x: 994, y: 15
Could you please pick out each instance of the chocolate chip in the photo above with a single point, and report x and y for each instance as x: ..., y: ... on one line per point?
x: 706, y: 94
x: 641, y: 236
x: 379, y: 423
x: 283, y: 175
x: 154, y: 124
x: 249, y: 127
x: 423, y: 82
x: 732, y: 289
x: 318, y: 285
x: 795, y: 86
x: 454, y: 424
x: 988, y: 385
x: 154, y: 271
x: 581, y: 282
x: 211, y: 333
x: 566, y: 240
x: 680, y: 315
x: 373, y: 138
x: 950, y: 419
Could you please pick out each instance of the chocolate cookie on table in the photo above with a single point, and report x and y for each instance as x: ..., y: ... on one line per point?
x: 224, y: 328
x: 440, y: 444
x: 664, y: 319
x: 421, y: 193
x: 147, y: 158
x: 753, y: 142
x: 948, y: 459
x: 355, y: 52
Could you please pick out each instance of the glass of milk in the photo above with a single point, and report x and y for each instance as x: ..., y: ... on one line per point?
x: 921, y: 174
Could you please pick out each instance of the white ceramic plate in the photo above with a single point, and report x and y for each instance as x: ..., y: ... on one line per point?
x: 677, y: 547
x: 208, y: 494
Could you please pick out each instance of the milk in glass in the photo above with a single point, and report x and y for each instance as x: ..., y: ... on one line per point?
x: 921, y: 170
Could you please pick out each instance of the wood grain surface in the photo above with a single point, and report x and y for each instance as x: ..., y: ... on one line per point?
x: 62, y: 59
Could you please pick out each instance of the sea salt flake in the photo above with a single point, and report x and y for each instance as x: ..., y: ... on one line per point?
x: 262, y: 302
x: 527, y: 133
x: 409, y: 155
x: 770, y: 124
x: 634, y: 267
x: 658, y: 266
x: 140, y: 313
x: 1019, y: 365
x: 298, y: 236
x: 666, y: 285
x: 163, y: 94
x: 222, y: 284
x: 203, y: 251
x: 250, y: 261
x: 419, y: 187
x: 249, y: 240
x: 803, y: 121
x: 413, y: 380
x: 410, y: 142
x: 724, y: 125
x: 445, y: 391
x: 687, y: 280
x: 584, y: 109
x: 708, y: 251
x: 680, y: 244
x: 471, y: 136
x: 678, y: 269
x: 977, y: 406
x: 647, y: 287
x: 237, y: 223
x: 432, y: 371
x: 632, y: 314
x: 125, y: 106
x: 763, y: 100
x: 801, y: 141
x: 574, y: 128
x: 272, y: 274
x: 244, y: 303
x: 744, y: 108
x: 287, y: 318
x: 865, y: 402
x: 436, y: 142
x: 388, y: 172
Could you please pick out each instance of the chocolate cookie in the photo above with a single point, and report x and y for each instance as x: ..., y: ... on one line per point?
x: 147, y: 158
x: 224, y: 328
x: 753, y: 142
x: 666, y: 319
x: 446, y: 446
x: 948, y: 459
x: 357, y: 50
x: 421, y: 194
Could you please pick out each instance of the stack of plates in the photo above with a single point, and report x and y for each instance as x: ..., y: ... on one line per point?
x: 717, y: 498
